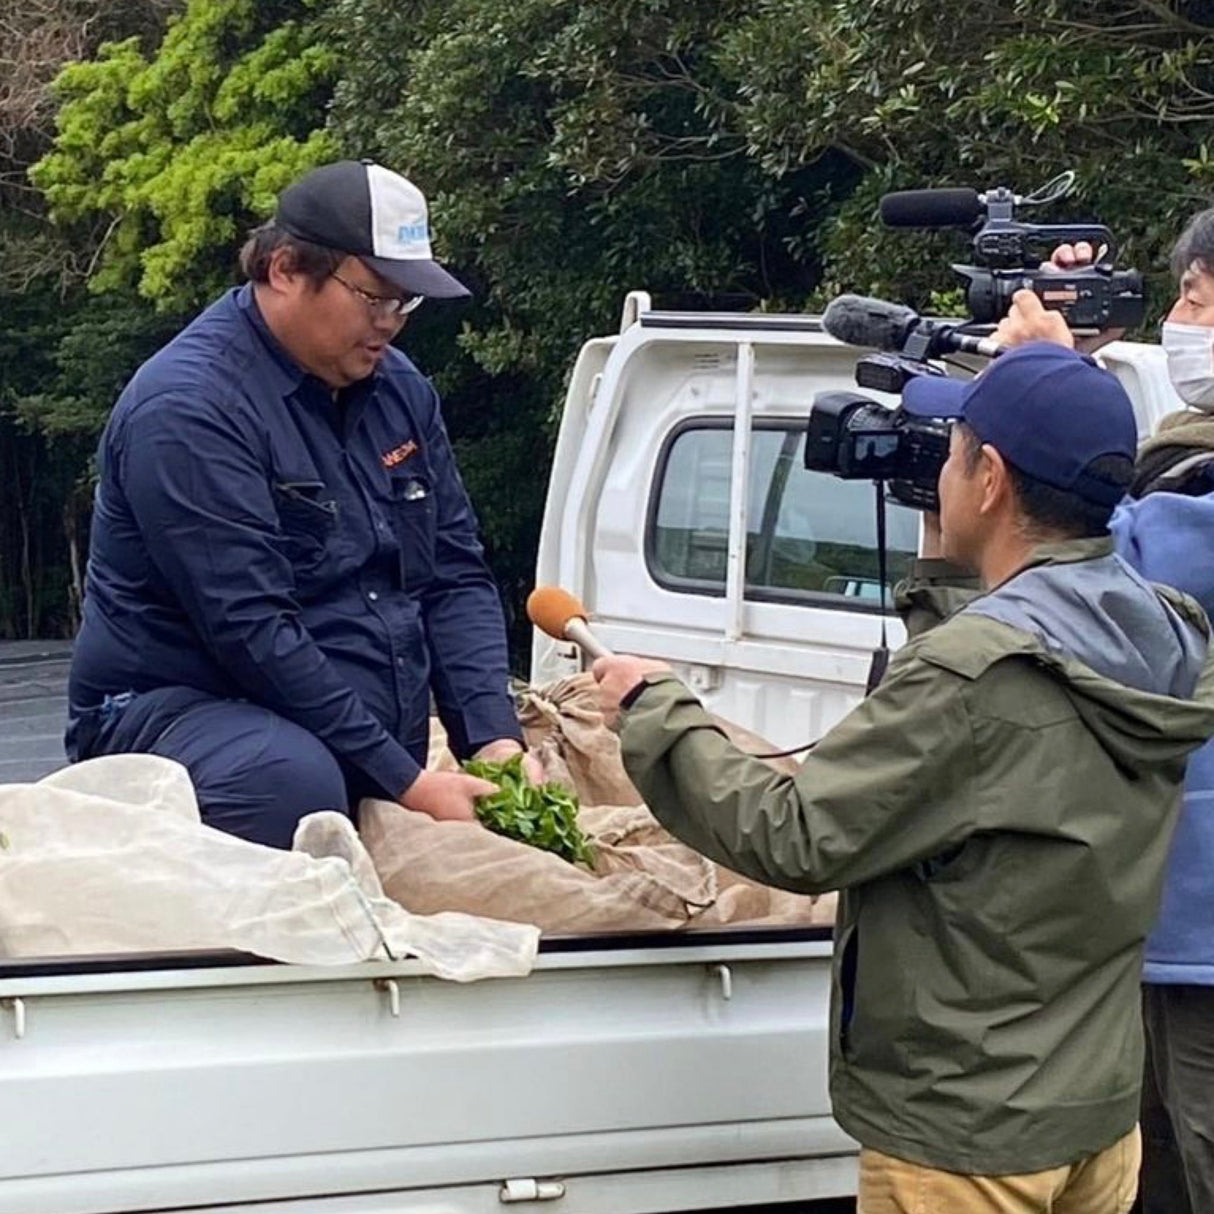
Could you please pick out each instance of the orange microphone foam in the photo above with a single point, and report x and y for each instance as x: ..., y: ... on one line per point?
x: 559, y: 614
x: 550, y: 609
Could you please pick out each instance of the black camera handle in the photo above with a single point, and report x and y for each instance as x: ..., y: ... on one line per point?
x: 877, y: 668
x: 1000, y: 228
x: 1005, y: 243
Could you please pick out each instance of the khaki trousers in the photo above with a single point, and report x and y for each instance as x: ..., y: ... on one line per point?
x: 1101, y: 1184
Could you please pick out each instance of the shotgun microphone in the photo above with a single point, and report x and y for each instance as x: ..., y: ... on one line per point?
x: 880, y: 325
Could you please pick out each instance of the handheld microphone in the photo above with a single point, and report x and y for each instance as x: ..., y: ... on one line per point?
x: 560, y: 615
x: 861, y: 321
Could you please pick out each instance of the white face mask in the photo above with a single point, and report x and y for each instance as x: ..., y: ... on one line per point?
x: 1190, y: 351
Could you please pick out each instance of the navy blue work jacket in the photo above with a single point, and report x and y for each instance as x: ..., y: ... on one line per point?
x: 254, y: 538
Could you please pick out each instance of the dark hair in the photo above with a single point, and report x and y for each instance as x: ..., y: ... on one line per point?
x: 1059, y: 511
x: 314, y: 261
x: 1196, y: 245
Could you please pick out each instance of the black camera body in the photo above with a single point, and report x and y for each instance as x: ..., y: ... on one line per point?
x: 1089, y: 300
x: 854, y: 438
x: 1008, y: 256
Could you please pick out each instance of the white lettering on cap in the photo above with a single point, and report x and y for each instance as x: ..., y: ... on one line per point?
x: 399, y: 224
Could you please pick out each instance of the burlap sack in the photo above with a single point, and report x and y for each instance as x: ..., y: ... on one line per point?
x: 565, y: 729
x: 742, y: 901
x: 644, y: 879
x: 439, y: 756
x: 563, y: 719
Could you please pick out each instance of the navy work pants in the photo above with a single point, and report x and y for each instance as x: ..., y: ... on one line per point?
x: 1178, y: 1100
x: 255, y: 773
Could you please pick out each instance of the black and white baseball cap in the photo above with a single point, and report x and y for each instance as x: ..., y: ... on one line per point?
x: 374, y: 214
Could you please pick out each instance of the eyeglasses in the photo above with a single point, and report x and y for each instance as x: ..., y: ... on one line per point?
x: 394, y: 307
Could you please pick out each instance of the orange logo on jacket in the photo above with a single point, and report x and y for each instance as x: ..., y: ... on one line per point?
x: 398, y: 455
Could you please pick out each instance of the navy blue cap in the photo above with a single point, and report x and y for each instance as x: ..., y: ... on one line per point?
x: 1048, y: 410
x: 361, y: 208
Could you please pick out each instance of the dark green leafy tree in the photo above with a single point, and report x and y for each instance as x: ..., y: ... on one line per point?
x: 43, y: 485
x: 994, y: 93
x: 715, y: 152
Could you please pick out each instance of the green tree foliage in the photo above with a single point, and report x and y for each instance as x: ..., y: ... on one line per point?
x: 574, y: 152
x: 720, y: 153
x: 43, y: 487
x: 179, y: 150
x: 993, y: 93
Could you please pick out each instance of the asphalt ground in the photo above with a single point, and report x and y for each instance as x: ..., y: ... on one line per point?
x: 33, y: 708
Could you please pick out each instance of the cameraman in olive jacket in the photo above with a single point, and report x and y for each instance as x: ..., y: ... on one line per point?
x: 997, y: 814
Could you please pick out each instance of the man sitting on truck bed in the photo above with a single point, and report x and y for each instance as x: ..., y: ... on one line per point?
x: 997, y: 813
x: 284, y: 563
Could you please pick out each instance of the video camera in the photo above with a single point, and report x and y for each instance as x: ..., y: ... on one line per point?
x: 1008, y: 255
x: 855, y: 438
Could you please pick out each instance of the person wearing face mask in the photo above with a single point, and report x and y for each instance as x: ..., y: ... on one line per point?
x: 284, y: 566
x: 1165, y: 529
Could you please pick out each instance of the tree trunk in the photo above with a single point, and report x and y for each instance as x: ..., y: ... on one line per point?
x: 27, y: 572
x: 25, y: 579
x: 75, y: 589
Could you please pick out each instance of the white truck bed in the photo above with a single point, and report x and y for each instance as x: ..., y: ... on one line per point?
x: 641, y: 1074
x: 623, y: 1075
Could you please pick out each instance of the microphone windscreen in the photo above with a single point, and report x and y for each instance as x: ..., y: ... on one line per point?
x: 861, y: 321
x: 948, y: 208
x: 550, y: 608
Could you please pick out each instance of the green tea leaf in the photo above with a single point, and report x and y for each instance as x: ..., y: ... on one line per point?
x: 544, y: 816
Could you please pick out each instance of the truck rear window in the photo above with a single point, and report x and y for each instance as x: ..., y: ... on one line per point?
x: 810, y: 537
